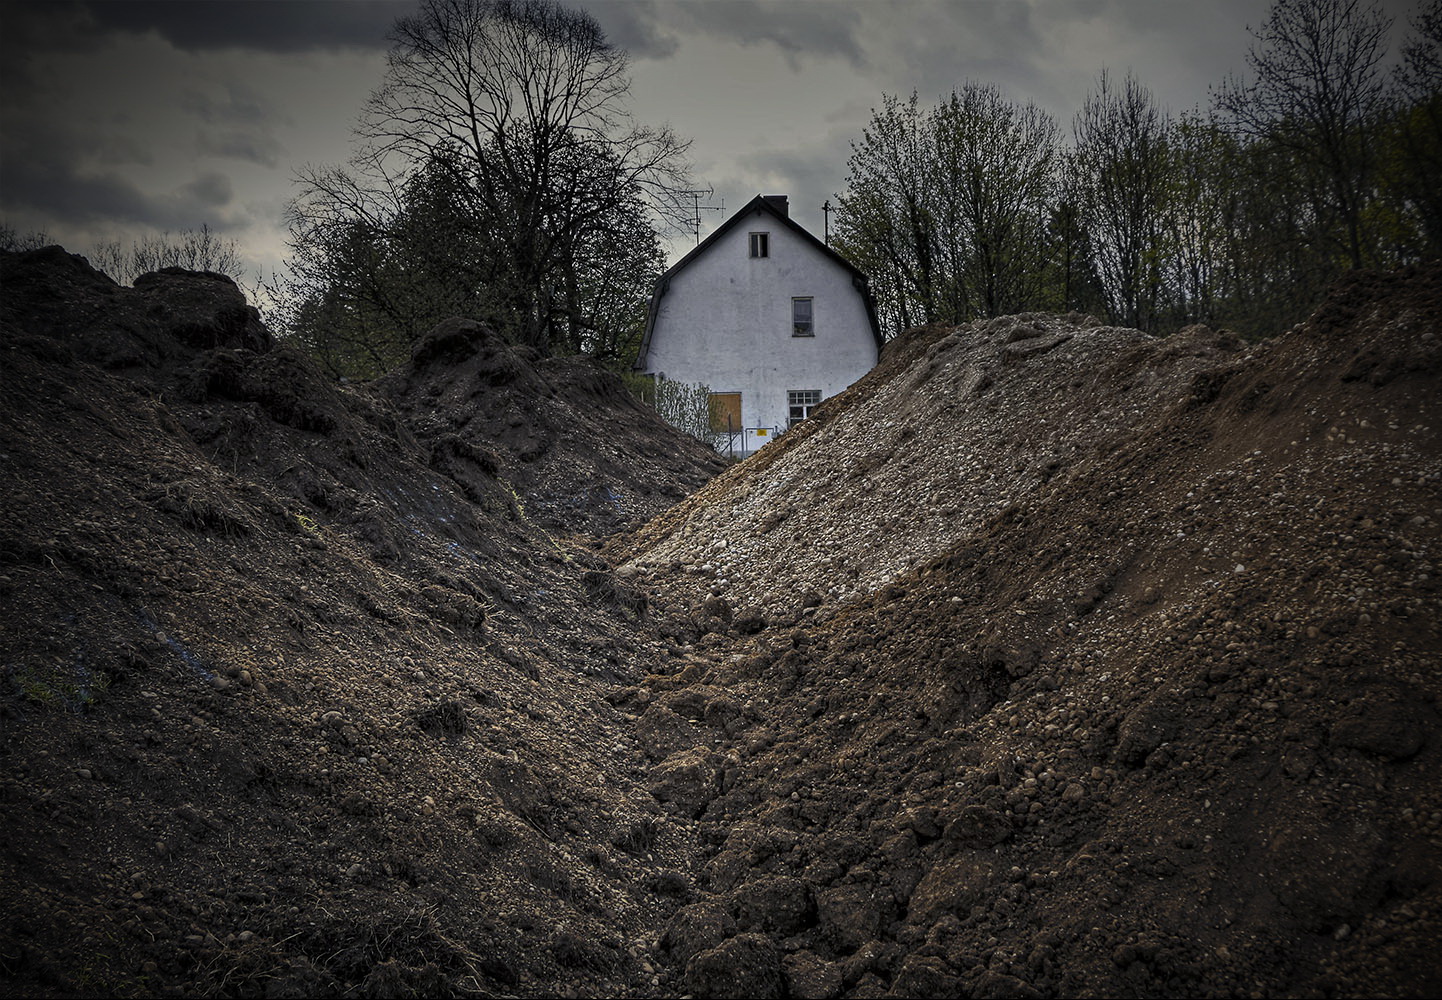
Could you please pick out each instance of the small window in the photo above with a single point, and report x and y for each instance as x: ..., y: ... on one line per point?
x: 801, y: 322
x: 760, y: 245
x: 800, y: 403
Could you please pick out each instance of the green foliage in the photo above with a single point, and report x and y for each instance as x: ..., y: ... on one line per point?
x: 1411, y: 150
x: 1121, y: 161
x: 688, y: 407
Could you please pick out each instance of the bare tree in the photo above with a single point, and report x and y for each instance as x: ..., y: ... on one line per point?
x: 997, y: 170
x: 1122, y: 163
x: 1416, y: 173
x: 886, y: 222
x: 194, y: 249
x: 533, y: 99
x: 1318, y: 90
x: 14, y: 241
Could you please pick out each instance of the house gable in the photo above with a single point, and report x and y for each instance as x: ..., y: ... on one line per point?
x: 762, y: 213
x: 767, y: 317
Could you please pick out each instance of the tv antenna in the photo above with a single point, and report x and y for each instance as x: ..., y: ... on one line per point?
x: 697, y: 208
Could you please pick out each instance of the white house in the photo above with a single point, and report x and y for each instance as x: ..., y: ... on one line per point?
x: 766, y: 315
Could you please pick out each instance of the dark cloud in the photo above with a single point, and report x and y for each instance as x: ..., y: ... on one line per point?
x: 211, y: 189
x: 121, y: 147
x: 634, y: 26
x: 49, y: 172
x: 813, y: 28
x: 259, y: 147
x: 810, y: 176
x: 254, y: 24
x: 32, y: 26
x: 999, y: 43
x: 798, y: 28
x: 240, y: 123
x: 239, y: 104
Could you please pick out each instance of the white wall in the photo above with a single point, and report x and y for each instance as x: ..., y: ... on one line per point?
x: 726, y: 321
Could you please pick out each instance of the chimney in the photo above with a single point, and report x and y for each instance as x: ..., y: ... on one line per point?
x: 778, y: 202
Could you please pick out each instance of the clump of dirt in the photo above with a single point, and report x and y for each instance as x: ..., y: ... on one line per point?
x: 1159, y: 720
x: 583, y: 453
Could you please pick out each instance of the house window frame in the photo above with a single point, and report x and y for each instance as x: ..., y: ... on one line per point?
x: 799, y: 404
x: 803, y: 327
x: 759, y: 244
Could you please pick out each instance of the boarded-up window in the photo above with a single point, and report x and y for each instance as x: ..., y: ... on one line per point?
x: 725, y: 411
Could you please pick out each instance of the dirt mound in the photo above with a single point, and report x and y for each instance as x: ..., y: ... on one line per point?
x: 581, y: 451
x: 1162, y: 722
x: 168, y: 313
x: 952, y: 428
x: 1051, y: 659
x: 290, y: 708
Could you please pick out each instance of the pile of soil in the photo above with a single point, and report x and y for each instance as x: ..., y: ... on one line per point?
x: 1159, y: 720
x: 1051, y: 659
x: 295, y: 701
x: 953, y: 426
x: 584, y: 454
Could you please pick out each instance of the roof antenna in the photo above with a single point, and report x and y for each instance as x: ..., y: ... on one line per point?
x: 696, y: 208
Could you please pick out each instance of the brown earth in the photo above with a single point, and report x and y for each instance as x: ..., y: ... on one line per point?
x: 1049, y: 660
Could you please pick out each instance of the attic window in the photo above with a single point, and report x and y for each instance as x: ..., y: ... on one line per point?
x: 760, y: 245
x: 801, y: 322
x: 800, y: 403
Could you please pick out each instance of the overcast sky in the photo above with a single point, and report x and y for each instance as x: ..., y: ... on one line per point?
x: 121, y: 118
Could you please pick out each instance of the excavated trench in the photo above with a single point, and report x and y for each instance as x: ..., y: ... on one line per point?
x: 1052, y: 659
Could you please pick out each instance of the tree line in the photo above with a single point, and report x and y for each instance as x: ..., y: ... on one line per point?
x: 1240, y: 214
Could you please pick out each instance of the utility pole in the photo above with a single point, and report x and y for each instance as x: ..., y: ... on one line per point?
x: 826, y: 214
x: 697, y: 207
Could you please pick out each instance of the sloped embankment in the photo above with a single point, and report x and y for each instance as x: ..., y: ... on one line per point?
x: 293, y: 703
x: 946, y: 432
x: 581, y: 451
x: 1156, y: 714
